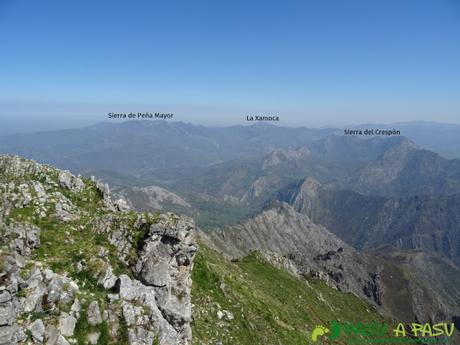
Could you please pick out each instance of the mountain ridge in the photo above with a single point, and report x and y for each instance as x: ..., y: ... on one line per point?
x: 416, y: 222
x: 316, y: 252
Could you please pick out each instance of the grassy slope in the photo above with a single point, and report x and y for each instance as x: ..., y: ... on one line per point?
x: 269, y: 305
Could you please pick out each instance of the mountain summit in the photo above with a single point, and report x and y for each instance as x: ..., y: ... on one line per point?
x: 79, y: 267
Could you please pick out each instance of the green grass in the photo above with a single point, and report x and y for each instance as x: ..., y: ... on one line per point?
x: 83, y: 328
x: 269, y: 306
x: 213, y: 214
x: 22, y: 214
x: 122, y: 336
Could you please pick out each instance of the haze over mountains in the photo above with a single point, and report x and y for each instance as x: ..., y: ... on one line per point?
x: 220, y: 143
x: 358, y: 212
x: 369, y: 221
x: 137, y: 145
x: 438, y: 137
x: 239, y: 169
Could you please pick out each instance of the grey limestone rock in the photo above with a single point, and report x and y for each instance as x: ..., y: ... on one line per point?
x: 107, y: 279
x: 94, y: 314
x: 121, y: 205
x: 67, y: 324
x: 165, y: 262
x: 141, y: 336
x: 51, y: 335
x: 129, y: 314
x: 61, y: 340
x: 22, y: 237
x: 5, y: 296
x: 10, y: 335
x: 71, y: 182
x: 92, y: 338
x: 155, y: 303
x: 7, y: 314
x: 104, y: 190
x: 37, y: 329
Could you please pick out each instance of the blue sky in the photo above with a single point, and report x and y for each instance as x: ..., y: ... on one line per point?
x: 312, y: 62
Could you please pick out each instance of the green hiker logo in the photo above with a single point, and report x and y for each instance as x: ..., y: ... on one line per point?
x: 317, y: 332
x: 379, y: 333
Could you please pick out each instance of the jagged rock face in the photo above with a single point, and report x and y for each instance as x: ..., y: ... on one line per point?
x: 258, y: 187
x: 420, y: 222
x: 152, y: 198
x: 313, y: 249
x: 316, y: 252
x: 165, y: 262
x: 70, y: 182
x: 77, y: 266
x: 280, y: 156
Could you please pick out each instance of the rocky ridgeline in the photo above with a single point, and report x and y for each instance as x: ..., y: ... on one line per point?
x: 292, y: 242
x: 77, y: 267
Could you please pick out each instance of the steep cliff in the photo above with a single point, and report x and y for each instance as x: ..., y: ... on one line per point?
x: 79, y: 267
x: 418, y: 222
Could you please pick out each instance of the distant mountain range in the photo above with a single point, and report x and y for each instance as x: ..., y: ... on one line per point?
x: 393, y: 167
x: 375, y: 216
x: 226, y: 174
x: 139, y: 145
x: 441, y: 138
x: 160, y: 144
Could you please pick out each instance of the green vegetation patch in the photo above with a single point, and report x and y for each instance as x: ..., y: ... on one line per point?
x: 266, y: 305
x: 83, y: 328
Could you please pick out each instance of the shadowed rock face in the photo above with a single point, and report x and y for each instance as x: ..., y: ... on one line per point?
x: 418, y: 222
x: 456, y: 321
x: 94, y: 269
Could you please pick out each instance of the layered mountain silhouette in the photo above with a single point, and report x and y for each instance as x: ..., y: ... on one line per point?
x: 367, y: 221
x: 376, y: 217
x: 135, y: 146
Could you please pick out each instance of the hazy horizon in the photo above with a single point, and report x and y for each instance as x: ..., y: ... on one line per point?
x: 16, y: 126
x: 311, y: 63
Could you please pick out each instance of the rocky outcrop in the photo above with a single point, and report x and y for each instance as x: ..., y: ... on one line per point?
x: 152, y: 198
x: 70, y: 182
x: 294, y: 240
x: 313, y: 249
x: 165, y: 262
x: 280, y: 156
x: 372, y: 288
x: 162, y: 266
x: 77, y: 266
x: 258, y: 187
